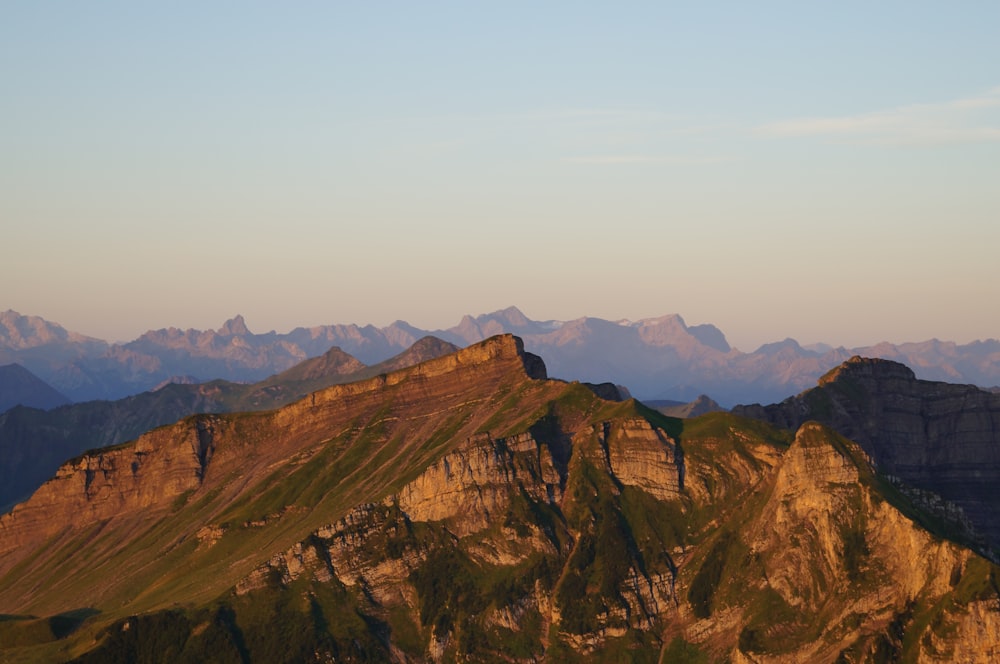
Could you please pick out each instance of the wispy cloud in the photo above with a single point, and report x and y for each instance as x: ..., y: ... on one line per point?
x: 648, y: 159
x: 969, y: 119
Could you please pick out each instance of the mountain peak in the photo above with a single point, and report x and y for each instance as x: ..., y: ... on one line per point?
x: 776, y: 347
x: 671, y: 329
x: 859, y: 366
x: 512, y: 315
x: 334, y: 362
x: 430, y: 347
x: 499, y: 347
x: 20, y: 386
x: 710, y: 336
x: 234, y: 327
x: 21, y: 332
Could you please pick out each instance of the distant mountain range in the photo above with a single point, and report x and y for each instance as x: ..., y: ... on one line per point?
x: 655, y: 358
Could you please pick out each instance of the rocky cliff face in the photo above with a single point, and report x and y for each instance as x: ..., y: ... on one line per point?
x: 803, y: 560
x: 476, y: 508
x: 937, y: 437
x: 468, y: 509
x: 33, y: 443
x: 141, y: 480
x: 839, y: 570
x: 113, y: 483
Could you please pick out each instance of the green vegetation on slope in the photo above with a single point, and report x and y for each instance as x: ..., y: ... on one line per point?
x: 589, y: 568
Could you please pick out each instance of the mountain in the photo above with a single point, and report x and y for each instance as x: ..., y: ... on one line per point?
x: 655, y: 358
x: 18, y: 386
x: 664, y: 358
x: 34, y: 442
x: 506, y: 321
x: 45, y: 349
x: 27, y: 333
x: 942, y: 441
x: 86, y: 369
x: 470, y: 509
x: 699, y: 406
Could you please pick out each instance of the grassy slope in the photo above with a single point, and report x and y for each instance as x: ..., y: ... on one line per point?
x: 34, y: 442
x: 163, y: 565
x: 600, y: 534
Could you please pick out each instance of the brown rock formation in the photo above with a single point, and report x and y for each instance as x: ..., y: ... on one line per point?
x: 467, y: 509
x: 937, y: 437
x: 141, y: 480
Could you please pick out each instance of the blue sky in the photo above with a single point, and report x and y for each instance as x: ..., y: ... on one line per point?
x: 826, y: 172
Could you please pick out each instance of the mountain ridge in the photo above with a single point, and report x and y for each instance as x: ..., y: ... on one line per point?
x: 184, y: 455
x: 469, y: 508
x: 656, y: 358
x: 33, y: 443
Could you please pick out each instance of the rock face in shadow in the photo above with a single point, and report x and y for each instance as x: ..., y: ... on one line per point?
x: 18, y: 386
x: 469, y: 509
x: 937, y: 437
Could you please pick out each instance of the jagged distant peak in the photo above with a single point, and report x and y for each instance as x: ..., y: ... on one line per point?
x: 20, y: 331
x: 778, y: 346
x: 711, y: 336
x: 666, y: 319
x: 13, y: 322
x: 512, y: 315
x: 234, y: 327
x: 401, y: 324
x: 821, y: 348
x: 512, y: 320
x: 671, y: 329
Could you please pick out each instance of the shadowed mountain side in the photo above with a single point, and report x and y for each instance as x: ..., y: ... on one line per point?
x: 936, y: 437
x: 34, y: 442
x: 468, y: 509
x: 20, y: 387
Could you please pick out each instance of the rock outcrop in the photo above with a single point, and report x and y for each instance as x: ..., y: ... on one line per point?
x: 468, y: 509
x: 33, y: 443
x: 141, y: 480
x: 937, y: 437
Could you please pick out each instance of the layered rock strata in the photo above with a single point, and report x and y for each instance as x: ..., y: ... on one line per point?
x: 937, y: 437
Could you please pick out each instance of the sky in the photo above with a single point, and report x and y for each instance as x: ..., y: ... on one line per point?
x: 823, y: 171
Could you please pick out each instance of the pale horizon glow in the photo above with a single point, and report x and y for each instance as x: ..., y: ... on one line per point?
x: 826, y: 173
